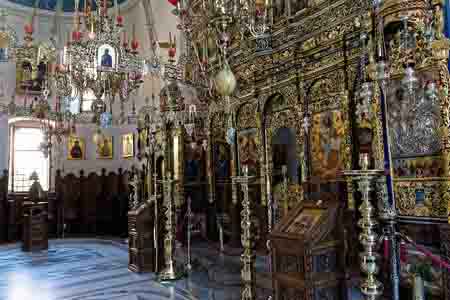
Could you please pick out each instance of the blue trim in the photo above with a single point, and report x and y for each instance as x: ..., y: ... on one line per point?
x: 68, y: 5
x: 386, y: 150
x: 447, y: 21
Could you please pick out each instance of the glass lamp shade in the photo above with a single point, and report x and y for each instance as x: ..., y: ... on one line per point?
x: 410, y: 82
x: 366, y: 92
x: 431, y: 91
x: 382, y: 73
x: 106, y: 120
x: 225, y: 81
x: 189, y: 128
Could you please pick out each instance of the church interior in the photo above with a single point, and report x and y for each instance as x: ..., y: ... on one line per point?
x: 224, y: 149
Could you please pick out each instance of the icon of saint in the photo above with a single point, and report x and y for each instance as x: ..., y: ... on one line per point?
x: 106, y: 59
x: 128, y: 147
x: 105, y: 149
x: 76, y: 151
x: 3, y: 56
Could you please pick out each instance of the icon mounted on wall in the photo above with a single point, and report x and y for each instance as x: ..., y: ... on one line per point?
x: 106, y: 57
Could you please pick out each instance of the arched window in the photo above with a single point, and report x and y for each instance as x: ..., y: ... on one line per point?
x: 27, y: 157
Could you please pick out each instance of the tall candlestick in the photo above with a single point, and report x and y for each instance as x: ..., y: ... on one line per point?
x: 221, y: 238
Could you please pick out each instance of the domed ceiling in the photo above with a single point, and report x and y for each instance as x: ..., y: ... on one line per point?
x: 68, y: 5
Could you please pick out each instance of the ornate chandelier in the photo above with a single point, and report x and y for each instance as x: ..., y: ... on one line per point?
x: 54, y: 124
x: 99, y: 58
x: 248, y: 19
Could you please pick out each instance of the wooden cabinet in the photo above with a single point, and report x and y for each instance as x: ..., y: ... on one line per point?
x: 35, y: 227
x: 307, y: 254
x: 142, y: 253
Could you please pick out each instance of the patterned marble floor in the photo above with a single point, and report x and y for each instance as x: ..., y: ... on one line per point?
x: 95, y: 269
x: 75, y: 269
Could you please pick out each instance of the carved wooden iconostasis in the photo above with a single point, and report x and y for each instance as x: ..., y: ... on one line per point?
x: 418, y: 124
x: 282, y: 154
x: 298, y: 124
x: 309, y: 72
x: 220, y: 168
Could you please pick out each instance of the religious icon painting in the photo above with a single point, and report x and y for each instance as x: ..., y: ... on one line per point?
x: 248, y: 150
x: 105, y: 147
x: 25, y: 67
x: 76, y: 148
x: 327, y: 136
x: 128, y: 145
x: 4, y: 46
x: 106, y: 57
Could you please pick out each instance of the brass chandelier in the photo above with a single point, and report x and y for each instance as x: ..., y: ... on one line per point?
x: 99, y: 57
x: 225, y: 19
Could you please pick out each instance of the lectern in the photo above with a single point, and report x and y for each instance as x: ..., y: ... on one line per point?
x: 307, y: 253
x: 35, y: 231
x: 34, y: 218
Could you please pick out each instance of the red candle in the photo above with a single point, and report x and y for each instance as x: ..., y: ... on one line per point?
x: 386, y: 248
x: 403, y: 258
x: 105, y: 7
x: 29, y: 29
x: 135, y: 45
x: 119, y: 20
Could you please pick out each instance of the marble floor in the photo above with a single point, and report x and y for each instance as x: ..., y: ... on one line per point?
x: 96, y: 269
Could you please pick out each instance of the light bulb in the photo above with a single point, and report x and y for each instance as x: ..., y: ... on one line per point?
x: 431, y: 91
x: 366, y: 92
x: 92, y: 35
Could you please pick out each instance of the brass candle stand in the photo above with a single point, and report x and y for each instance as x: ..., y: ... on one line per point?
x: 189, y: 230
x: 171, y: 271
x: 371, y: 288
x: 248, y: 275
x: 156, y: 222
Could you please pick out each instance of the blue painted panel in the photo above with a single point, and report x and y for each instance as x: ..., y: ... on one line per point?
x: 68, y: 5
x: 447, y: 21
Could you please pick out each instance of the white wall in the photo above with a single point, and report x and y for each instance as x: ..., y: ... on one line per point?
x: 91, y: 163
x: 4, y: 142
x: 133, y: 12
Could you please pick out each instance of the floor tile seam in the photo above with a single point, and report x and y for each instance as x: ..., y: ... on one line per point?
x: 86, y: 282
x: 60, y: 264
x: 92, y: 274
x: 155, y: 285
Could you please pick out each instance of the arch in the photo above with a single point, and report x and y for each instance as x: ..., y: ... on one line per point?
x: 275, y: 101
x: 289, y: 93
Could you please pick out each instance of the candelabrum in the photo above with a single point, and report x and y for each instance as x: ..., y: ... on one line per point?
x: 134, y: 196
x: 248, y: 276
x: 170, y: 272
x: 189, y: 229
x: 156, y: 221
x: 370, y: 286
